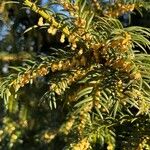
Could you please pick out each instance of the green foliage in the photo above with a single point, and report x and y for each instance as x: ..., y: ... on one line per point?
x: 96, y: 84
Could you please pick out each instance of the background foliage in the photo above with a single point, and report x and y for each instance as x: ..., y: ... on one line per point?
x: 77, y: 78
